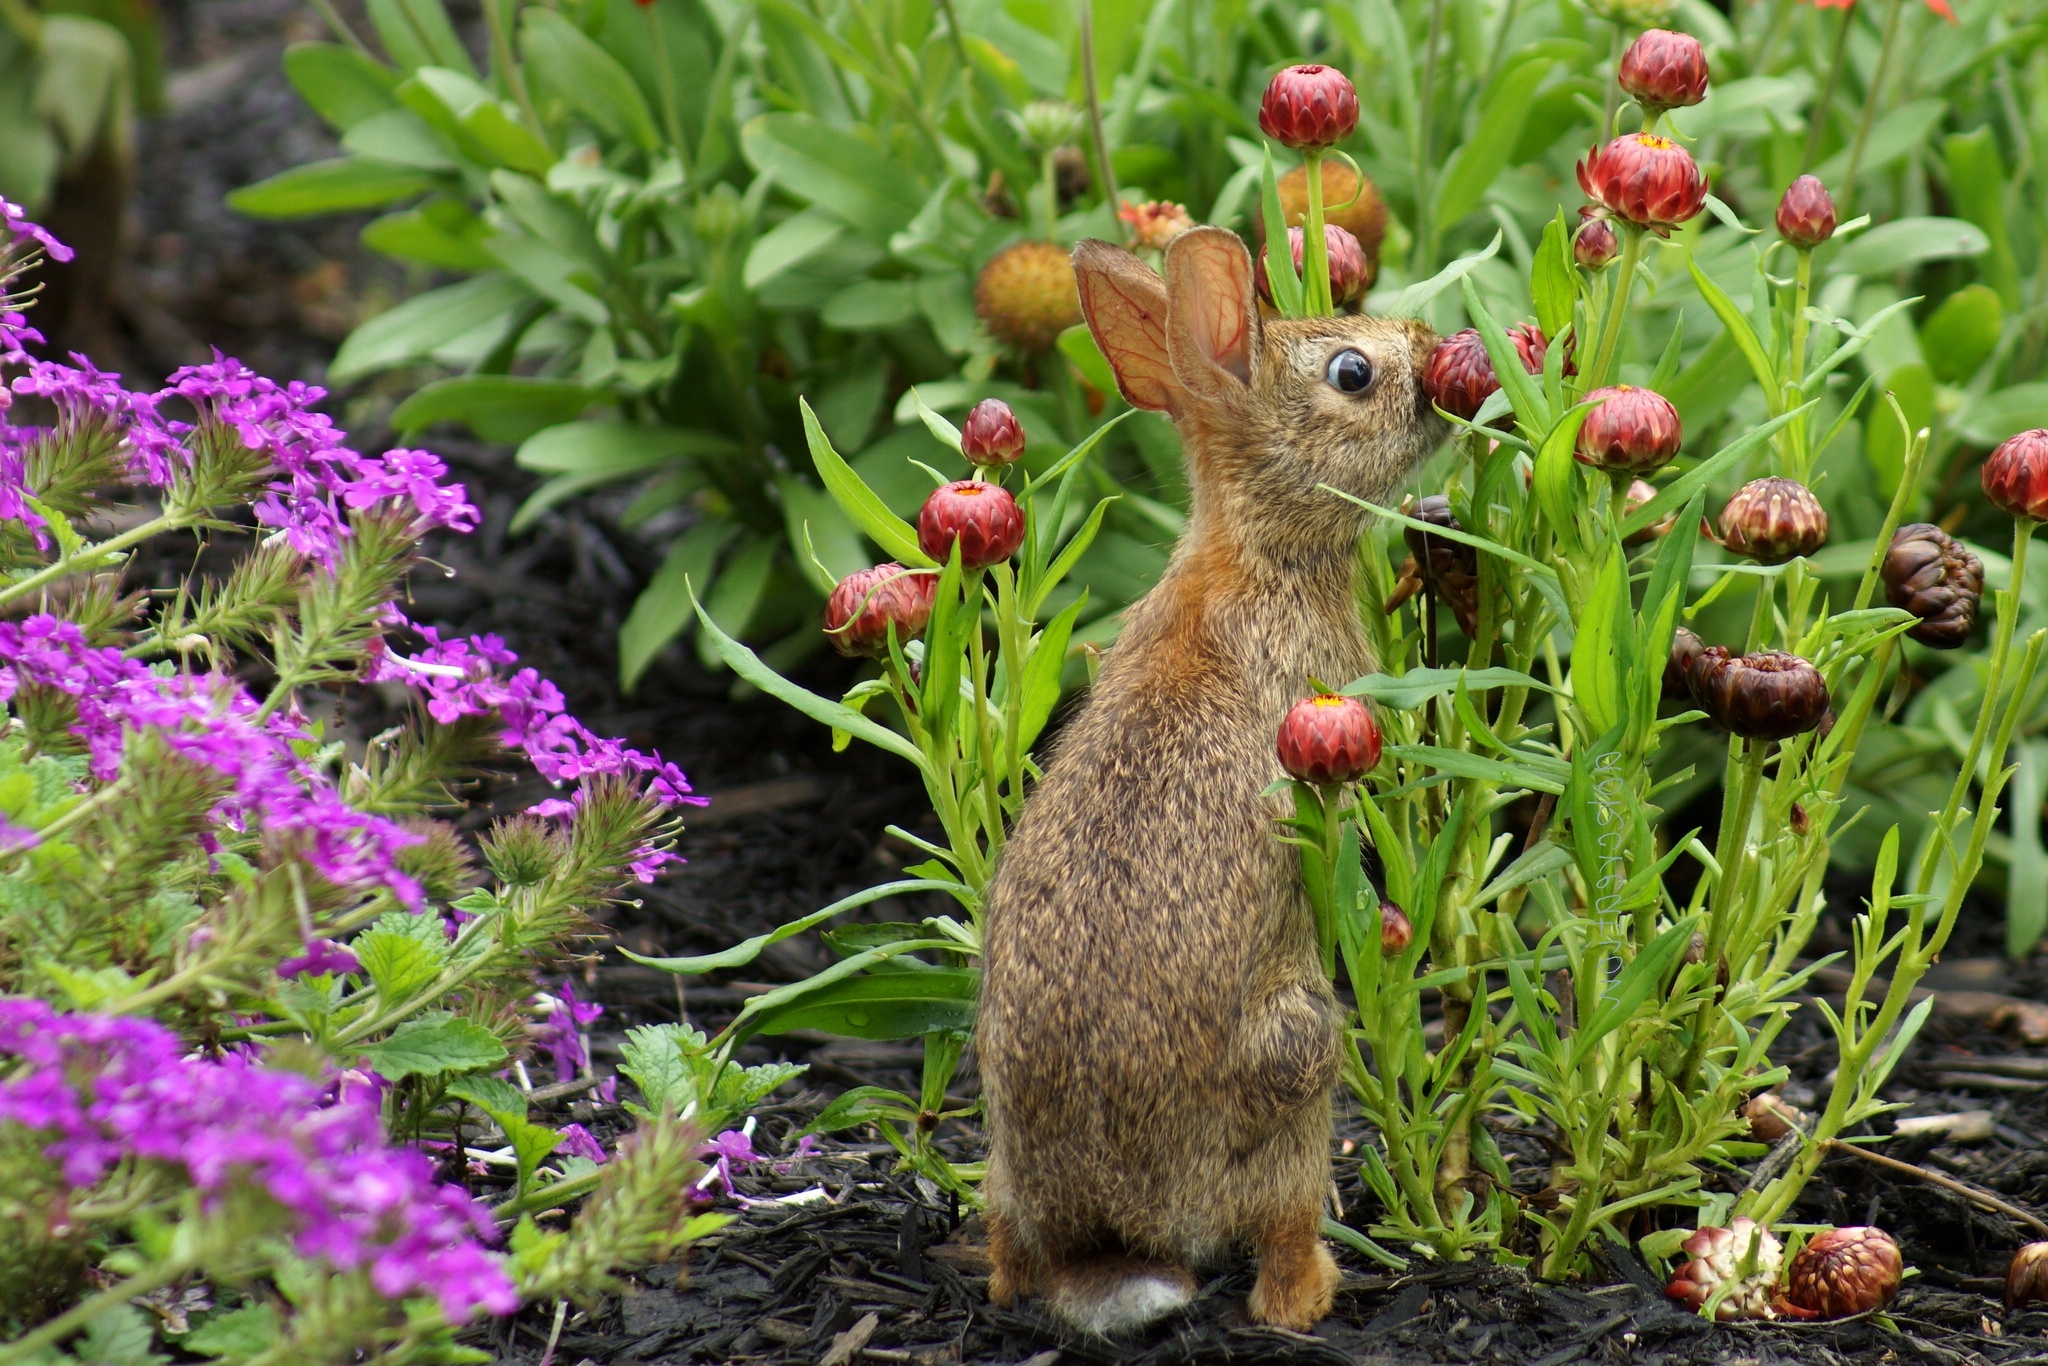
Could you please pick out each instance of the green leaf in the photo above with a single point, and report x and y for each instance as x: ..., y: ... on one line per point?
x: 1556, y: 479
x: 1553, y: 279
x: 1282, y: 280
x: 1410, y: 302
x: 836, y: 169
x: 1077, y: 344
x: 1042, y: 673
x: 664, y: 611
x: 418, y: 33
x: 2026, y: 884
x: 489, y: 1094
x: 239, y: 1333
x: 1407, y: 691
x: 789, y: 243
x: 340, y: 185
x: 890, y: 1005
x: 747, y: 950
x: 870, y: 305
x: 440, y: 232
x: 657, y: 1059
x: 1976, y: 186
x: 1991, y: 419
x: 734, y: 598
x: 862, y: 1105
x: 1961, y: 334
x: 1893, y: 247
x: 827, y: 545
x: 1739, y: 330
x: 589, y: 79
x: 119, y: 1335
x: 1679, y: 491
x: 1597, y: 655
x: 501, y: 408
x: 343, y: 86
x: 402, y: 137
x: 1524, y: 770
x: 397, y: 964
x: 424, y: 323
x: 1481, y: 157
x: 894, y: 535
x: 837, y: 715
x: 430, y: 1045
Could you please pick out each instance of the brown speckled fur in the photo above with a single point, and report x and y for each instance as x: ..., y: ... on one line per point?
x: 1157, y: 1039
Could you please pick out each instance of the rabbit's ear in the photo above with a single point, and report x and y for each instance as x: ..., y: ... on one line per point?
x: 1212, y: 318
x: 1124, y: 301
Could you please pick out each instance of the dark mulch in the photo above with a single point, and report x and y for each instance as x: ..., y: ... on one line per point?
x: 840, y: 1259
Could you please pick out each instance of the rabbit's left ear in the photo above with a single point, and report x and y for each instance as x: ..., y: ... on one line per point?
x: 1212, y: 318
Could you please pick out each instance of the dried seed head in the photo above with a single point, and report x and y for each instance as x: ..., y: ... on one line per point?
x: 1027, y: 296
x: 1309, y: 107
x: 1806, y: 213
x: 1771, y: 1118
x: 868, y: 602
x: 1632, y: 431
x: 1328, y: 739
x: 1745, y: 1257
x: 1844, y: 1272
x: 991, y: 435
x: 1685, y: 648
x: 1450, y: 567
x: 1646, y: 180
x: 983, y: 518
x: 1351, y: 202
x: 1664, y: 70
x: 1769, y: 695
x: 1156, y: 222
x: 1930, y: 574
x: 1774, y: 520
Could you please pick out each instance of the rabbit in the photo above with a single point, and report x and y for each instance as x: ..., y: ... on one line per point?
x: 1157, y: 1039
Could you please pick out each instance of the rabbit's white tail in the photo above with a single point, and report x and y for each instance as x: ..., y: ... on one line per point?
x: 1110, y: 1295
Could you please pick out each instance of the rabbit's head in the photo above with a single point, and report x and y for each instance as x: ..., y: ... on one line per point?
x: 1268, y: 410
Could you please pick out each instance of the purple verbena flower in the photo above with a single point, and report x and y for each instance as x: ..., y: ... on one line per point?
x: 14, y: 220
x: 111, y: 1089
x: 321, y: 957
x: 578, y: 1141
x: 560, y: 1035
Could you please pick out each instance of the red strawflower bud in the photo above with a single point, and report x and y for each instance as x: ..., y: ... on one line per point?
x: 1769, y: 695
x: 1309, y: 107
x: 1350, y: 272
x: 1685, y: 648
x: 1396, y: 934
x: 983, y: 518
x: 1641, y: 493
x: 867, y: 603
x: 1930, y: 574
x: 1329, y: 738
x: 1774, y: 520
x: 1844, y: 1272
x: 1450, y: 567
x: 991, y: 435
x: 2026, y: 1278
x: 1720, y: 1256
x: 1595, y: 246
x: 1664, y: 70
x: 1459, y: 375
x: 1806, y: 214
x: 1647, y: 180
x: 2015, y: 476
x: 1633, y: 430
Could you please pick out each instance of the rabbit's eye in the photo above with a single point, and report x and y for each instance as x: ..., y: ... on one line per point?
x: 1349, y: 372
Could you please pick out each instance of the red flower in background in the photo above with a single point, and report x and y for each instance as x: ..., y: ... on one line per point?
x: 1940, y: 7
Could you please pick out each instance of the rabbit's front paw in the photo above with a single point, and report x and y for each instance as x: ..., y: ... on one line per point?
x: 1297, y: 1279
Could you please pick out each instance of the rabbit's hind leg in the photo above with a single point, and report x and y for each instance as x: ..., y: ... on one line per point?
x: 1010, y: 1268
x: 1297, y: 1276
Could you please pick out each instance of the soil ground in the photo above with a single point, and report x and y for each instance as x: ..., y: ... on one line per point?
x: 838, y: 1259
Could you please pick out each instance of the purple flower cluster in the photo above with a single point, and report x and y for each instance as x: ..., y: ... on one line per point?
x: 212, y: 720
x: 14, y: 222
x: 462, y: 677
x: 111, y: 1090
x: 560, y: 1035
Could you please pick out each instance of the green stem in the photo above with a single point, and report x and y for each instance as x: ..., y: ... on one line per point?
x: 508, y: 68
x: 665, y: 82
x: 89, y: 557
x: 1795, y: 379
x: 1736, y: 814
x: 331, y: 16
x: 1617, y: 306
x: 1870, y: 98
x: 1425, y: 217
x: 1089, y: 85
x: 1315, y: 257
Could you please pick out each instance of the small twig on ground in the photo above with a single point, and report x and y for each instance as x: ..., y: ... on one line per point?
x: 1962, y: 1188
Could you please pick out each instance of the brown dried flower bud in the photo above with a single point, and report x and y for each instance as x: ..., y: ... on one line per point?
x: 1802, y: 824
x: 1718, y: 1257
x: 1806, y: 214
x: 1844, y: 1272
x: 1450, y: 567
x: 1774, y: 520
x: 1664, y: 70
x: 1396, y: 934
x: 1769, y: 695
x: 2015, y: 476
x: 1771, y: 1118
x: 2026, y: 1279
x: 1685, y: 648
x: 1930, y: 574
